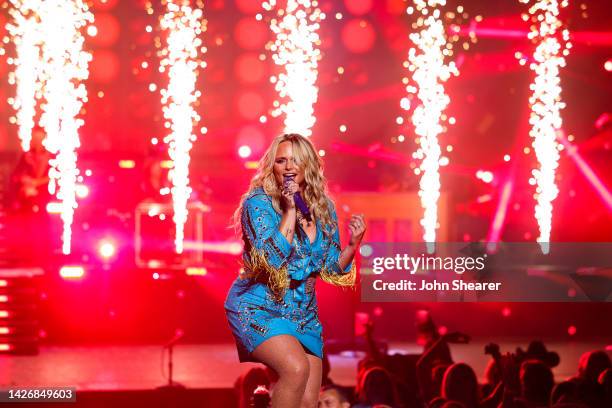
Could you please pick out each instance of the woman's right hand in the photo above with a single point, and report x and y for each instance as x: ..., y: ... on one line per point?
x: 288, y: 190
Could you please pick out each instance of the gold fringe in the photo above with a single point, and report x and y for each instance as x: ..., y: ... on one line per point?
x: 341, y: 279
x: 276, y: 279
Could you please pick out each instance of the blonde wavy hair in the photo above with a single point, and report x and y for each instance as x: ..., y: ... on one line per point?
x: 315, y: 191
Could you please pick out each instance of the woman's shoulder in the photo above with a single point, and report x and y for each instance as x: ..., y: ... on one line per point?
x: 257, y: 196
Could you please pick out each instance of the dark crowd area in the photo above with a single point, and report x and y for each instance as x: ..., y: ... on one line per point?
x: 522, y: 378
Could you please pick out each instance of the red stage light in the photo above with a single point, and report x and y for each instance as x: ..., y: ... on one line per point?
x: 5, y: 330
x: 155, y: 275
x: 4, y: 298
x: 104, y: 66
x: 3, y: 283
x: 248, y: 6
x: 249, y: 68
x: 251, y: 34
x: 571, y: 330
x: 72, y: 272
x: 396, y: 7
x: 358, y: 7
x: 600, y: 188
x: 250, y: 105
x: 361, y: 320
x: 4, y: 137
x: 4, y: 314
x: 608, y: 65
x: 108, y: 30
x: 506, y: 311
x: 358, y: 36
x: 252, y: 136
x: 2, y: 26
x: 218, y: 247
x: 6, y: 347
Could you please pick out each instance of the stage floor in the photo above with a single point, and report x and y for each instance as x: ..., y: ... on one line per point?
x: 100, y: 368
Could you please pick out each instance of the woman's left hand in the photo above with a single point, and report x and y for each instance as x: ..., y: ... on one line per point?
x: 357, y: 228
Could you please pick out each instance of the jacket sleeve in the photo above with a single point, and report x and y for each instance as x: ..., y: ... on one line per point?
x: 331, y: 272
x: 261, y: 233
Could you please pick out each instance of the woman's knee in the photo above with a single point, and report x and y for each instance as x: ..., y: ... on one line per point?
x: 296, y: 370
x: 286, y: 356
x: 310, y: 399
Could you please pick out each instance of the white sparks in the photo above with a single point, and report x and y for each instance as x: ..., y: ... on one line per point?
x: 295, y: 50
x: 426, y: 62
x: 545, y: 100
x: 27, y: 37
x: 50, y: 67
x: 183, y: 25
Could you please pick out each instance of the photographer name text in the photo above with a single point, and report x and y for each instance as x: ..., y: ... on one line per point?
x: 426, y: 285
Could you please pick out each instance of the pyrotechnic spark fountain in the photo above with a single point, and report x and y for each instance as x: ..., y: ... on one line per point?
x: 426, y: 62
x: 295, y: 50
x: 59, y: 65
x: 545, y: 100
x: 180, y: 58
x: 27, y: 38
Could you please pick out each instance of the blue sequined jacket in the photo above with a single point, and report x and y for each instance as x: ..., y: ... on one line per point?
x: 271, y: 258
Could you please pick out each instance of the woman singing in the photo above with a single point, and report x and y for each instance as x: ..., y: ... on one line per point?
x: 271, y: 307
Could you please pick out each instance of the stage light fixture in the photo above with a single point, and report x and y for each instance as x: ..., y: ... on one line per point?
x: 82, y: 191
x: 196, y: 271
x: 72, y: 272
x: 54, y: 207
x: 127, y: 164
x: 244, y: 151
x: 107, y: 249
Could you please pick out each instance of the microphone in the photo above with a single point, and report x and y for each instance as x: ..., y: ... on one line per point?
x: 299, y: 201
x: 177, y: 336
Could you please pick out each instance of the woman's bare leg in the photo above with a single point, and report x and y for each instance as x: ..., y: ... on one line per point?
x: 285, y: 355
x: 313, y: 386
